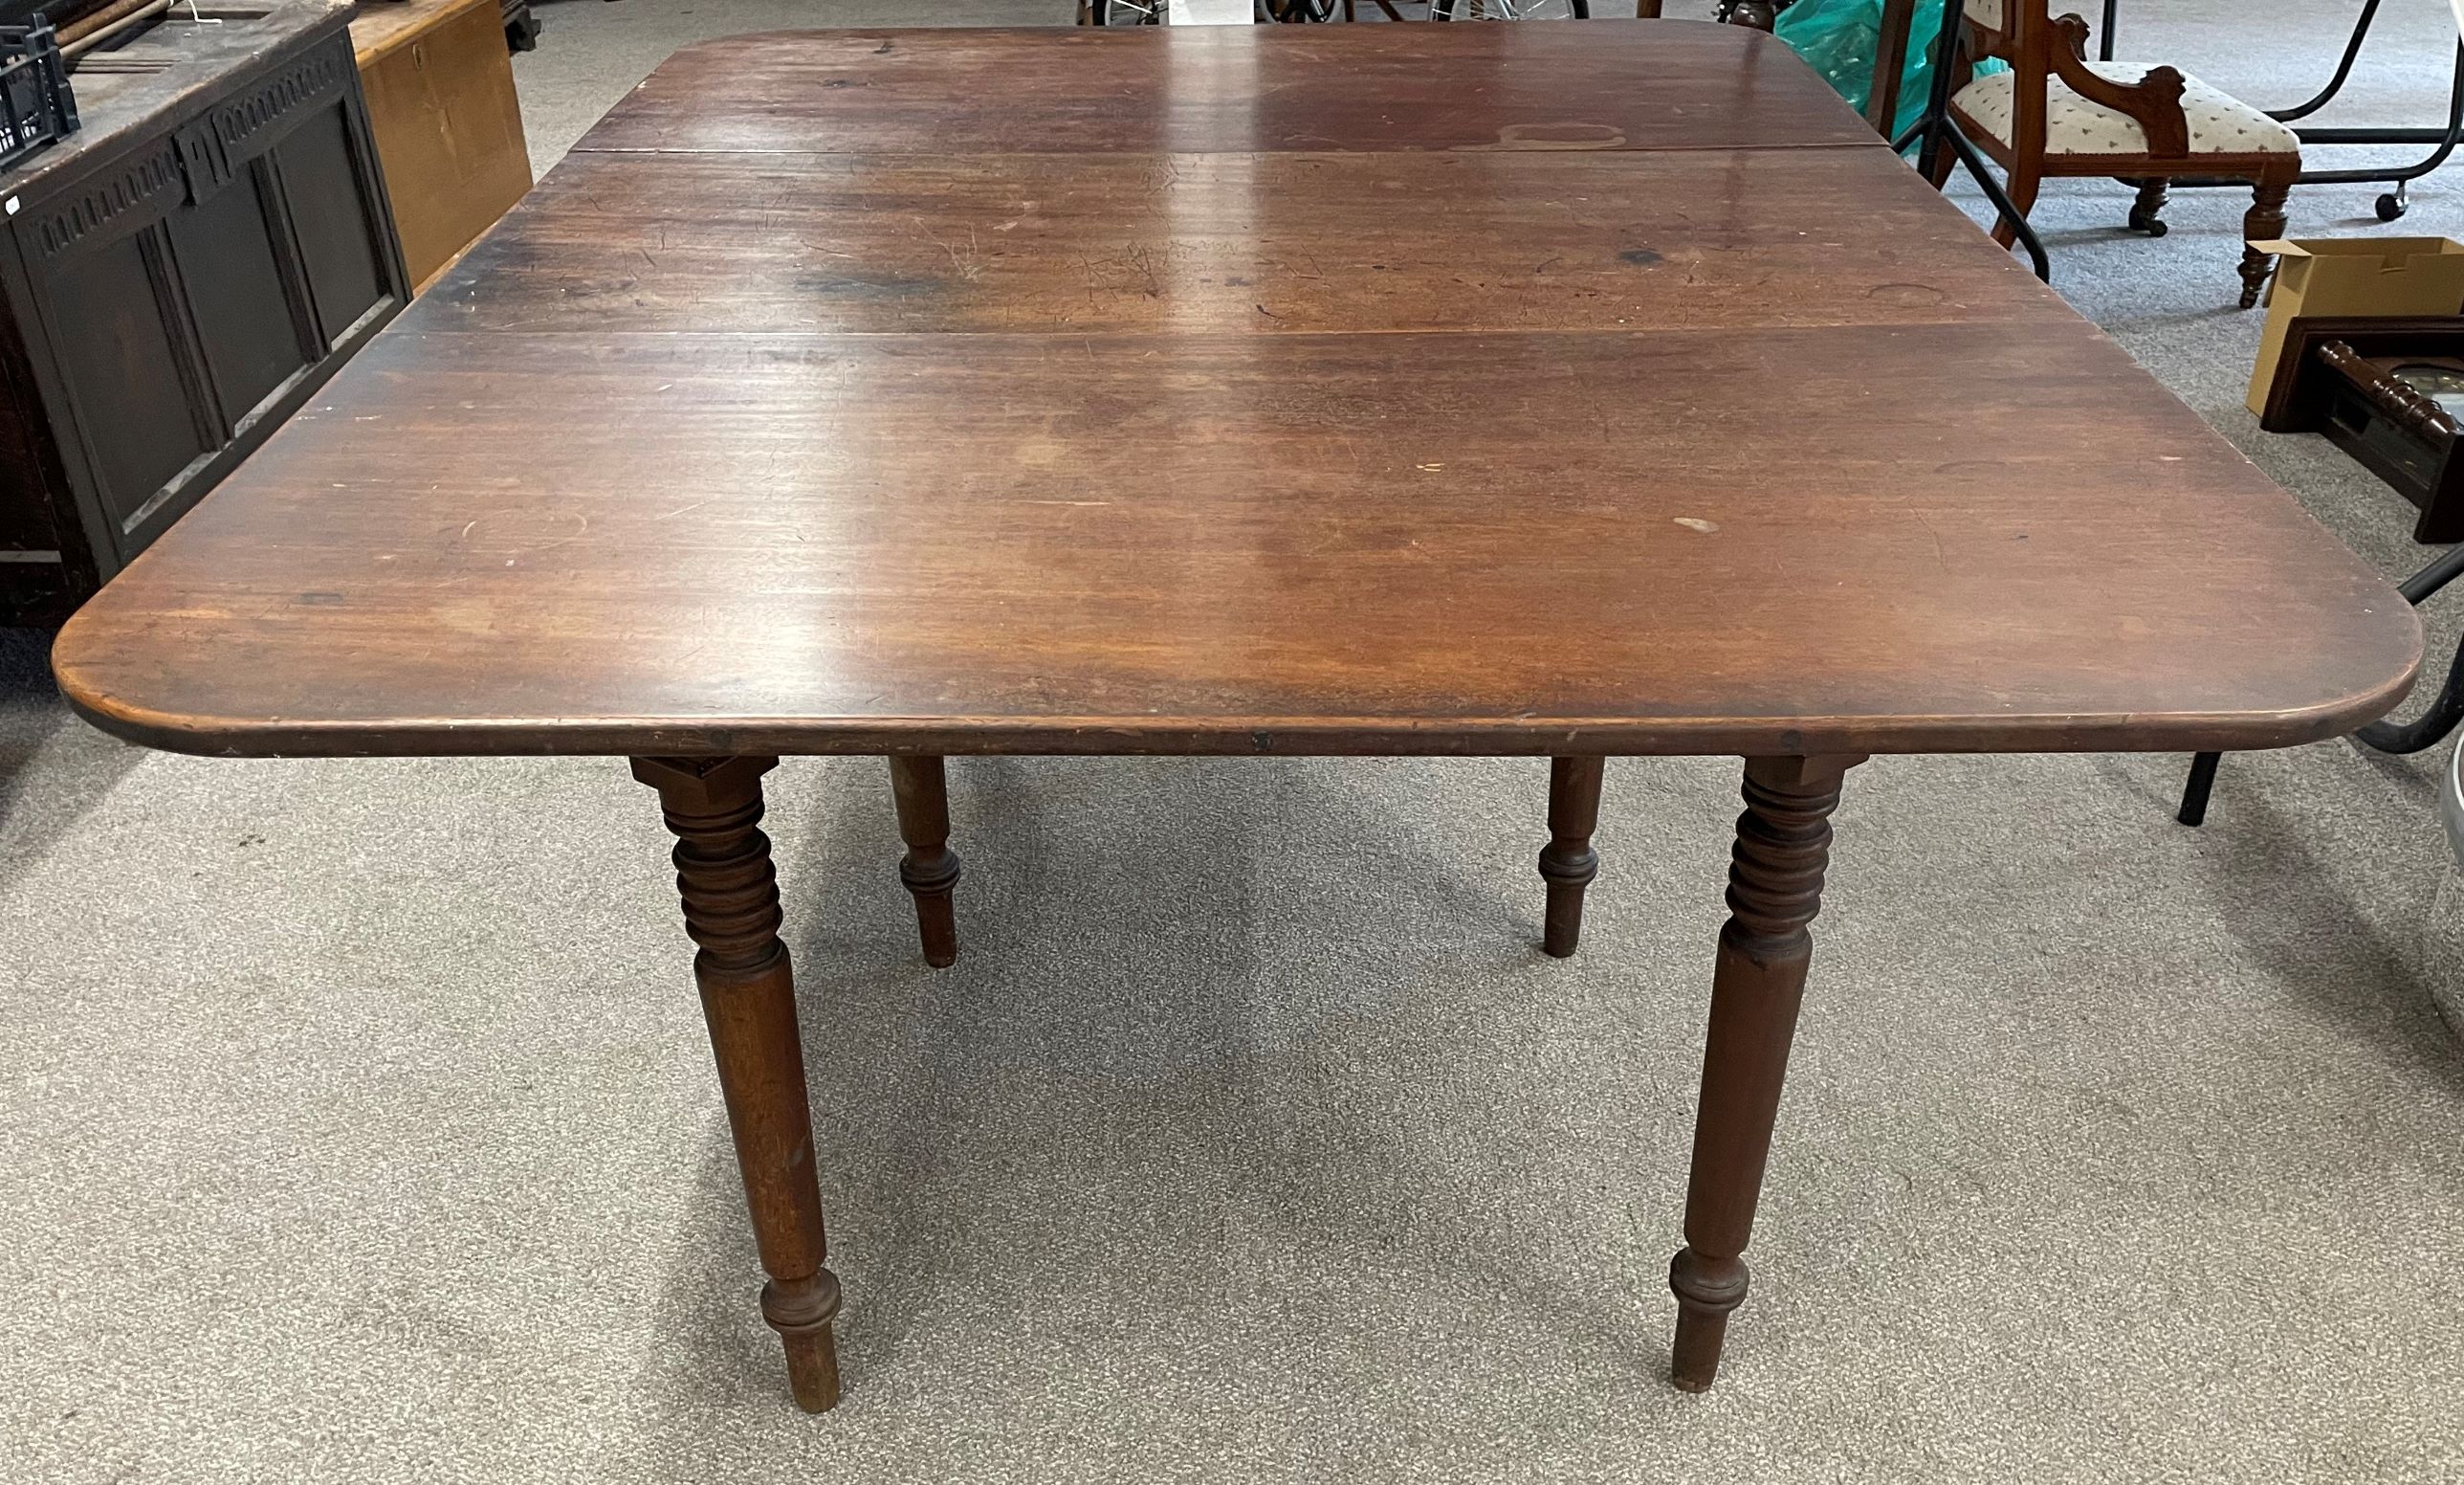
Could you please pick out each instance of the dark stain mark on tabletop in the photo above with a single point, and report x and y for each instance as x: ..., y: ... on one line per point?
x: 864, y: 286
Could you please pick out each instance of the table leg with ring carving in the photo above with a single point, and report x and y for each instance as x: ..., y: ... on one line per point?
x: 1775, y: 890
x: 1568, y: 863
x: 748, y: 997
x: 930, y: 868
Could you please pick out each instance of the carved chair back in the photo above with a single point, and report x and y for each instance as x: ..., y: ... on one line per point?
x: 2041, y: 47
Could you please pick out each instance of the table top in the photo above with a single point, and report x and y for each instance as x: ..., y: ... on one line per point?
x: 1560, y: 386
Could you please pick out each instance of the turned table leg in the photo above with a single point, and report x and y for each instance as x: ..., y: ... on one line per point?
x: 1568, y: 863
x: 748, y: 997
x: 930, y: 868
x: 1775, y: 890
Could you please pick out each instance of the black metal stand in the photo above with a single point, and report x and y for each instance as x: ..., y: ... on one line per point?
x: 2196, y: 792
x: 1935, y: 128
x: 2446, y: 709
x: 2391, y: 205
x: 2387, y: 737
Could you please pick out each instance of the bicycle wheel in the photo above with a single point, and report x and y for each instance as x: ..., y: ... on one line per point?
x: 1122, y: 12
x: 1509, y: 10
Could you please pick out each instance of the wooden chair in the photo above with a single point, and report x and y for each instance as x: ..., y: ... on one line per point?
x: 2056, y: 113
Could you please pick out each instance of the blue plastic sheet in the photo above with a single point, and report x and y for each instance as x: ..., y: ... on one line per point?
x: 1841, y: 37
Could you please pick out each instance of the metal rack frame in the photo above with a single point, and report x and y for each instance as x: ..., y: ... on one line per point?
x: 2391, y: 205
x: 2424, y: 731
x: 1934, y: 131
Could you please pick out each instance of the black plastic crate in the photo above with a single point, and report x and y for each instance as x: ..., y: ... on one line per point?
x: 35, y: 106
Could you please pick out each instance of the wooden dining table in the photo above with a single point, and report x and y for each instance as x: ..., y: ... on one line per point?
x: 1555, y: 390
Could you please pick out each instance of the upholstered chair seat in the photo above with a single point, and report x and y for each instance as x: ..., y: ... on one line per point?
x: 2220, y: 124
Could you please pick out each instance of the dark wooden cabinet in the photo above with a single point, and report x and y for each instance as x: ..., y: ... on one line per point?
x: 175, y: 280
x: 521, y: 27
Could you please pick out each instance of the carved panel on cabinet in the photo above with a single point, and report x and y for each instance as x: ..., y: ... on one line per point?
x: 175, y: 280
x: 149, y: 181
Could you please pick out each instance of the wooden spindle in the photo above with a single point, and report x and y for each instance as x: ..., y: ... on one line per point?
x: 1775, y: 890
x: 748, y: 999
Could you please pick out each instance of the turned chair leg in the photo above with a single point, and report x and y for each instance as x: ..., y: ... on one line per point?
x: 2264, y: 223
x: 930, y: 868
x: 748, y: 998
x: 1757, y: 981
x: 1568, y: 863
x: 2147, y: 213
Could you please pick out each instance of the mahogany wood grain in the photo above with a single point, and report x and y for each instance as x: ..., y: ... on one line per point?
x: 1222, y: 244
x: 1255, y: 544
x: 1606, y: 84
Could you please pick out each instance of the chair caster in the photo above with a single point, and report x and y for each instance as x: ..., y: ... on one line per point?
x: 2393, y: 205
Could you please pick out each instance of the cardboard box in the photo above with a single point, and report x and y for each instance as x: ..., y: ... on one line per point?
x: 2354, y: 276
x: 448, y: 130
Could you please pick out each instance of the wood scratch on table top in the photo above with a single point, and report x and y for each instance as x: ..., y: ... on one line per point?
x: 1938, y: 555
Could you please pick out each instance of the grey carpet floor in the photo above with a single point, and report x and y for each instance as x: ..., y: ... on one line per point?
x: 358, y: 1126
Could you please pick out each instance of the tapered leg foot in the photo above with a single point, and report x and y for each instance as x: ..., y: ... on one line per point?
x: 801, y: 1316
x: 1706, y: 1290
x: 748, y: 999
x: 1568, y: 863
x: 1758, y: 980
x: 930, y: 868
